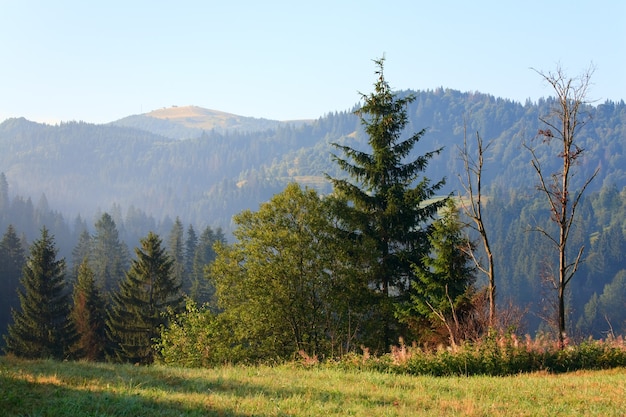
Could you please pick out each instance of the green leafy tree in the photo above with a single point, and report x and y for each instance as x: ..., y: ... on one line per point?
x: 12, y: 261
x: 444, y: 281
x: 288, y: 284
x: 147, y: 292
x: 41, y: 327
x: 388, y: 198
x: 88, y: 315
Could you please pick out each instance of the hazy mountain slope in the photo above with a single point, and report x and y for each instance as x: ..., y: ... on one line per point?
x: 208, y: 178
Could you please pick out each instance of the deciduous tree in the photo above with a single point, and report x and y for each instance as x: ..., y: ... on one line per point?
x: 561, y: 129
x: 288, y: 284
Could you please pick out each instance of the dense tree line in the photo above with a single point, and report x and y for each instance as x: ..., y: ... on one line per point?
x: 85, y: 309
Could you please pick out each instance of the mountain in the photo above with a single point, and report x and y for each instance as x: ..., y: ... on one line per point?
x: 207, y: 175
x: 190, y: 121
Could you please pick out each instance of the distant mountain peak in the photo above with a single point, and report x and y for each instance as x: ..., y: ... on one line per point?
x: 189, y: 121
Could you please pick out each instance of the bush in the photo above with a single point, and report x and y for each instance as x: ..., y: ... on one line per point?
x: 192, y: 339
x: 497, y: 355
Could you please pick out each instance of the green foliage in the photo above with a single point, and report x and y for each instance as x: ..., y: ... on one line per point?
x: 387, y: 196
x: 195, y: 338
x: 147, y: 292
x: 447, y: 274
x: 88, y: 316
x: 41, y: 328
x: 443, y: 287
x: 289, y: 284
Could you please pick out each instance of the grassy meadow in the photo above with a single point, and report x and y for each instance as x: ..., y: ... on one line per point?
x: 49, y: 388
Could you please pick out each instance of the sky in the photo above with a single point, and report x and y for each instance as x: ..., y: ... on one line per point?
x: 101, y: 61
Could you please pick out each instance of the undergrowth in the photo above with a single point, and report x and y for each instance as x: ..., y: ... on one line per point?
x: 493, y: 356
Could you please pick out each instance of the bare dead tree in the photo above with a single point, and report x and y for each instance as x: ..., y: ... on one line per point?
x: 562, y: 125
x: 472, y: 206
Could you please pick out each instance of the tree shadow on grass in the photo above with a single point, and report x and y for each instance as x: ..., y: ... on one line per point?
x: 81, y: 388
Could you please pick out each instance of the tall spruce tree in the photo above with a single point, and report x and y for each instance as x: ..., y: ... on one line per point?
x: 41, y: 328
x: 12, y: 260
x: 81, y: 251
x: 148, y: 291
x: 388, y: 198
x: 88, y: 315
x: 176, y: 250
x: 191, y: 244
x: 202, y: 290
x: 109, y: 256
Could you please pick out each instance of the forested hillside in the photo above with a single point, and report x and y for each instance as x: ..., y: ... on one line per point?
x: 65, y: 176
x: 84, y: 168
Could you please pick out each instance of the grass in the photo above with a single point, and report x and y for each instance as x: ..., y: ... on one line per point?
x: 49, y: 388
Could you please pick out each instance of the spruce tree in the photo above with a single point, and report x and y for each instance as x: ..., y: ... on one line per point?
x: 191, y: 244
x: 81, y: 251
x: 444, y: 283
x: 148, y: 290
x: 88, y: 315
x: 12, y: 261
x: 176, y: 250
x: 202, y: 289
x: 109, y: 256
x: 388, y: 198
x: 41, y: 327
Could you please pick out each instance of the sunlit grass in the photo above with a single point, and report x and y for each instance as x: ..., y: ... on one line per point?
x: 48, y: 388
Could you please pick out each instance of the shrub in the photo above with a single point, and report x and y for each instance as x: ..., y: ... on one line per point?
x: 497, y: 355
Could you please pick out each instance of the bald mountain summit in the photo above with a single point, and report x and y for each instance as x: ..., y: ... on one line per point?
x: 191, y: 121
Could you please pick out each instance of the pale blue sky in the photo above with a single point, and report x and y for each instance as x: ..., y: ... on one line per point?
x: 101, y: 61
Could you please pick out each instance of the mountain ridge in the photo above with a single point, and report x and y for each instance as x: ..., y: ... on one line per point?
x: 213, y: 174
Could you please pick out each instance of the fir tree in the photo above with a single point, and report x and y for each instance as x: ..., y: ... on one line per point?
x: 202, y: 289
x: 444, y: 283
x: 41, y: 328
x: 191, y: 244
x: 81, y: 251
x: 109, y: 256
x: 176, y: 250
x: 388, y: 198
x: 88, y: 315
x: 12, y: 261
x: 148, y: 291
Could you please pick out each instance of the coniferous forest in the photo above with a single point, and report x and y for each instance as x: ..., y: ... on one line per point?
x: 128, y: 242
